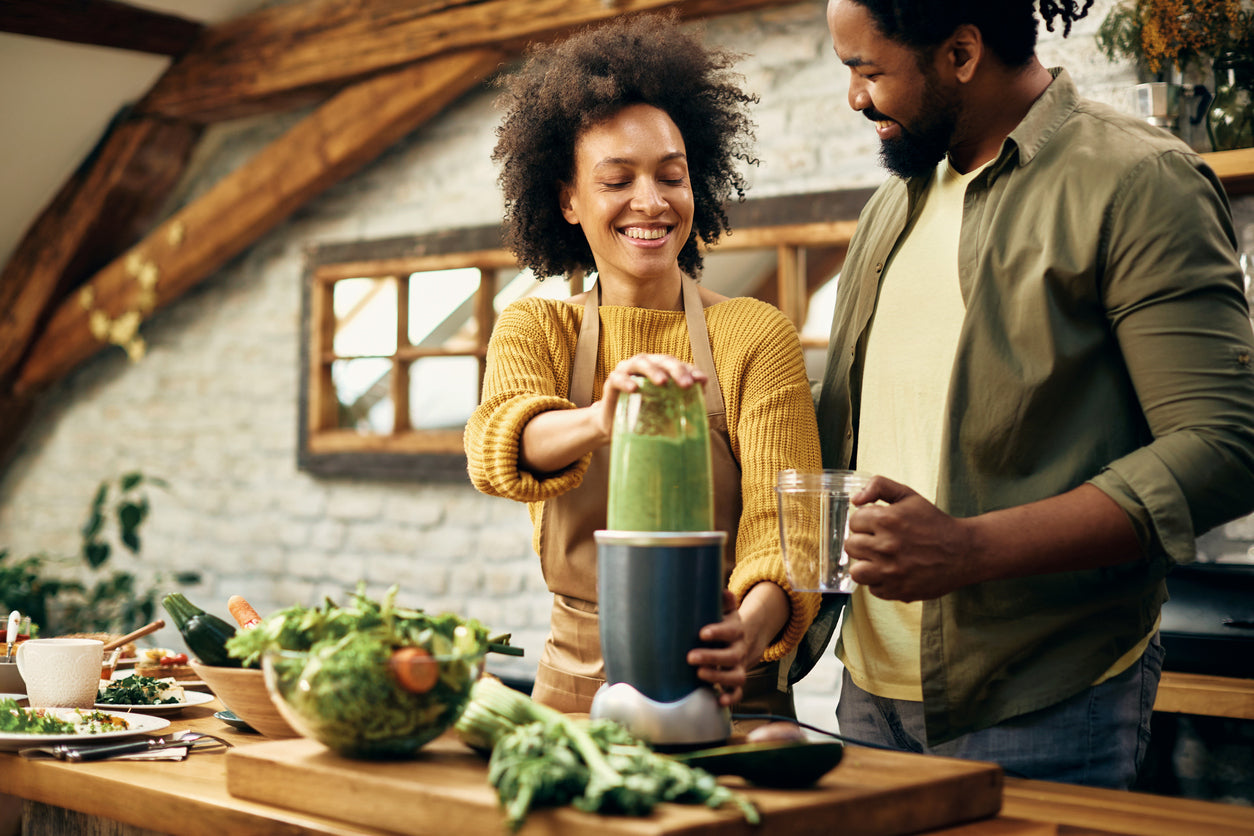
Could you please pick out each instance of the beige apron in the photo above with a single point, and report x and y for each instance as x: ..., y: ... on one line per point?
x: 570, y: 669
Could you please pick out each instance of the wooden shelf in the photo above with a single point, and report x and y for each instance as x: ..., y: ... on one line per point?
x: 1235, y: 169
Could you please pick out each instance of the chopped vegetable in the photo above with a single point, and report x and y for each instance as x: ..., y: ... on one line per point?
x: 541, y: 757
x: 173, y: 659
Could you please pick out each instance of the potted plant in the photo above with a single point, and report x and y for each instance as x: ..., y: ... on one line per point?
x: 1166, y: 37
x: 51, y: 589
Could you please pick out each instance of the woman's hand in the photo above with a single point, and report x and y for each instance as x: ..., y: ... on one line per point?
x: 743, y: 635
x: 658, y: 368
x: 555, y: 439
x: 725, y: 664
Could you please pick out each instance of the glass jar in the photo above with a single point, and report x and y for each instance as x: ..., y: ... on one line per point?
x: 1230, y: 119
x: 660, y: 476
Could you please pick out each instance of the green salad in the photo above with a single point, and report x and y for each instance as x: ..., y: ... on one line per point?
x: 139, y: 690
x: 368, y: 679
x: 16, y: 719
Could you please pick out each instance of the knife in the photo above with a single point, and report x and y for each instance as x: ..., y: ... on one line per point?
x: 186, y: 740
x: 10, y: 635
x: 111, y: 750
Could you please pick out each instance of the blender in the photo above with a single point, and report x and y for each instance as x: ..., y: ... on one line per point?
x: 659, y: 570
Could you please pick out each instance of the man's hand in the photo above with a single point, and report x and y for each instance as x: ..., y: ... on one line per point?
x: 906, y: 549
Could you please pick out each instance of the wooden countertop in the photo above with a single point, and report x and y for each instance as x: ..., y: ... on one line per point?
x: 190, y: 798
x: 1214, y: 696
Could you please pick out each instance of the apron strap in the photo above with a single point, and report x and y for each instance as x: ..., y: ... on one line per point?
x: 586, y: 350
x: 699, y: 340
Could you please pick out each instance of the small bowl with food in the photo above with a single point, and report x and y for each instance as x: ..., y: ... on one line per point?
x: 366, y: 698
x: 165, y: 663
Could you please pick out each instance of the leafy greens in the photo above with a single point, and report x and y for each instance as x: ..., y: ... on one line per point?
x: 331, y: 664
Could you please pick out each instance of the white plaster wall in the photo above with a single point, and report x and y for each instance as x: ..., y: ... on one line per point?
x: 212, y: 408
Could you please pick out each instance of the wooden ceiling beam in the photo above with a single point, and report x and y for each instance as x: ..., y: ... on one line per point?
x: 346, y: 132
x: 101, y: 210
x: 288, y: 53
x: 101, y: 23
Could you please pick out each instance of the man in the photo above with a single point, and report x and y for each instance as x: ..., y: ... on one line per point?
x: 1041, y: 330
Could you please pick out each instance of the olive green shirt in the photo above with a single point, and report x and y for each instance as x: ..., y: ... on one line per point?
x: 1106, y: 340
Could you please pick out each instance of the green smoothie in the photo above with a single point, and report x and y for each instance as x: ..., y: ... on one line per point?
x: 660, y: 461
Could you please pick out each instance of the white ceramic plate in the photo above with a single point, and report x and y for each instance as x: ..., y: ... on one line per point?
x: 18, y: 697
x: 189, y: 698
x: 136, y: 724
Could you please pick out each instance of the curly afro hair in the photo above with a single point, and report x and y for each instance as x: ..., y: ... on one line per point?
x: 562, y: 89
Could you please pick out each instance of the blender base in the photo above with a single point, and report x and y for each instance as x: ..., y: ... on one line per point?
x: 691, y: 721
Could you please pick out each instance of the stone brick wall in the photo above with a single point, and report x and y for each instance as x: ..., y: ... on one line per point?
x: 212, y: 408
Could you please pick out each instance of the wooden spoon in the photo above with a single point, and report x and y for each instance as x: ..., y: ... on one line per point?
x: 130, y: 637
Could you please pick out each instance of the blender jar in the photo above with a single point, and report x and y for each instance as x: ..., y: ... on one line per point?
x: 660, y: 461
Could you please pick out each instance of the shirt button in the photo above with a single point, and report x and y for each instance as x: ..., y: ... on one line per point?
x: 848, y: 433
x: 879, y: 267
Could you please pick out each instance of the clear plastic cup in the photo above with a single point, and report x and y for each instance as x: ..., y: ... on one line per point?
x: 813, y: 524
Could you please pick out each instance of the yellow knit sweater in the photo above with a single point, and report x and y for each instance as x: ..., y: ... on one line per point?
x: 770, y: 413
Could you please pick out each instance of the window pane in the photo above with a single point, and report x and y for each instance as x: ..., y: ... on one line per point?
x: 524, y: 284
x: 365, y: 317
x: 443, y: 391
x: 363, y: 389
x: 442, y: 309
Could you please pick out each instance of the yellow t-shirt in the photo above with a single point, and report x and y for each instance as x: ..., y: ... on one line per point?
x: 910, y: 353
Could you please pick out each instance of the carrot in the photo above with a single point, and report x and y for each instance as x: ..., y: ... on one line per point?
x: 245, y: 615
x: 416, y: 670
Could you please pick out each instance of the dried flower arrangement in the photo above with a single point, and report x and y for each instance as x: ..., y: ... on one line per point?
x: 1162, y: 34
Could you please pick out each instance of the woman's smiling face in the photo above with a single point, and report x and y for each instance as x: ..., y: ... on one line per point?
x: 631, y: 194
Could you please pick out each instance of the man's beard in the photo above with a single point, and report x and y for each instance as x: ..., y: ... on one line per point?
x: 917, y: 151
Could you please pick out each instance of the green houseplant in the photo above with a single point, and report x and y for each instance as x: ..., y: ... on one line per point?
x: 87, y: 593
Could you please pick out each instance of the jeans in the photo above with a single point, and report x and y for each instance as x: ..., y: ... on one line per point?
x: 1097, y: 737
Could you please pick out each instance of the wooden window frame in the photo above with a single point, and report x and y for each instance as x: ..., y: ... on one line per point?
x: 809, y: 233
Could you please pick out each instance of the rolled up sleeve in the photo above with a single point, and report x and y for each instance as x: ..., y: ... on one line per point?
x: 1176, y: 304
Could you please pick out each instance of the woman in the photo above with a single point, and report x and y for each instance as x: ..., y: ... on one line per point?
x: 617, y: 149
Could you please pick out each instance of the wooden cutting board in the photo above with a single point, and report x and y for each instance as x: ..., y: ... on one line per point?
x: 445, y: 791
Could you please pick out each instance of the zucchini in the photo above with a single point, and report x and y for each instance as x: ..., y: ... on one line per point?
x: 205, y: 633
